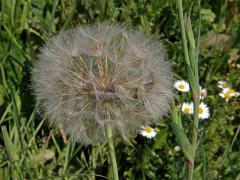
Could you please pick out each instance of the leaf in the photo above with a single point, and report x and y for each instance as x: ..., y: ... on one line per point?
x: 161, y: 140
x: 183, y: 141
x: 41, y: 157
x: 208, y: 15
x: 2, y: 95
x: 11, y: 148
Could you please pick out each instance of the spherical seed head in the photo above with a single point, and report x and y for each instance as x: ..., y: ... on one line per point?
x: 100, y: 74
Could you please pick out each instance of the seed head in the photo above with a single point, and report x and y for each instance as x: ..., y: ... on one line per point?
x: 100, y: 74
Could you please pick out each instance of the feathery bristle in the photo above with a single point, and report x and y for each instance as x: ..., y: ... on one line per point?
x: 97, y: 74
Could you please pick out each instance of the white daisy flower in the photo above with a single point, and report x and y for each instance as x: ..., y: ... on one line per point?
x: 203, y: 111
x: 203, y: 93
x: 182, y: 86
x: 187, y: 108
x: 223, y: 84
x: 228, y: 93
x: 148, y: 132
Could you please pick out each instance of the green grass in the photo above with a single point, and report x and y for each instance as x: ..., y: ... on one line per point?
x: 29, y: 149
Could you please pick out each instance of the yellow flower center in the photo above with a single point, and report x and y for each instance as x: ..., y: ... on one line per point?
x: 181, y: 86
x: 227, y: 95
x: 148, y: 129
x: 200, y: 110
x: 187, y: 110
x: 231, y: 91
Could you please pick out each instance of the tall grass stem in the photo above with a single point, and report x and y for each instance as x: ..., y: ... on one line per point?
x: 112, y: 152
x: 193, y: 77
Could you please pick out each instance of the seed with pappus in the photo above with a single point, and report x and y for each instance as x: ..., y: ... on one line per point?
x: 94, y: 75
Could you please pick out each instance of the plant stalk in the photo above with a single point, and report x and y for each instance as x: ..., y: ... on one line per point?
x: 194, y: 135
x: 184, y: 36
x: 194, y: 81
x: 112, y: 152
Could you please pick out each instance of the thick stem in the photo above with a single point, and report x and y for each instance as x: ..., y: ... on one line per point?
x: 112, y: 152
x: 194, y: 135
x: 195, y: 90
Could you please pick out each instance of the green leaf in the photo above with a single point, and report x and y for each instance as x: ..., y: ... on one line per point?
x: 16, y: 116
x: 12, y: 151
x: 10, y: 147
x: 2, y: 95
x: 183, y: 141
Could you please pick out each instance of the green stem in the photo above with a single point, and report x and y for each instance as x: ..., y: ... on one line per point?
x: 194, y: 81
x: 112, y: 152
x: 194, y: 136
x: 66, y: 162
x: 184, y: 37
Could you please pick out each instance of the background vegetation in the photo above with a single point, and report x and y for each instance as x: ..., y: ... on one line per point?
x: 29, y: 149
